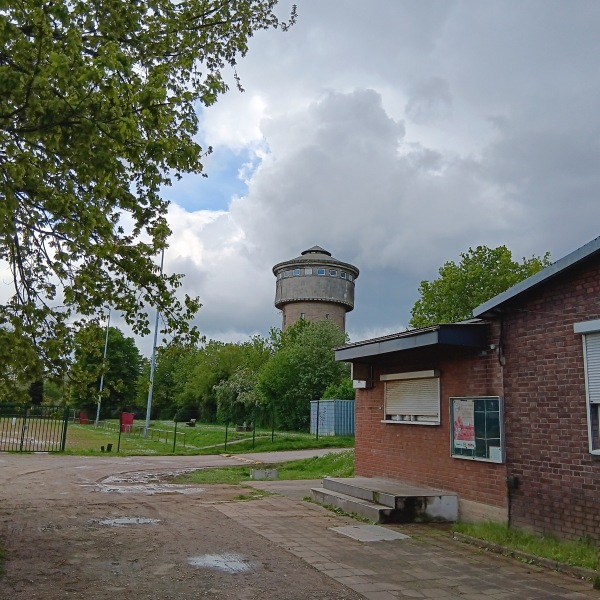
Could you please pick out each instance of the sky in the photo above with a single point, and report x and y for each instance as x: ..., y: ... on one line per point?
x: 395, y: 134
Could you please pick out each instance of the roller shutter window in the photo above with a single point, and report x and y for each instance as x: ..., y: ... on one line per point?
x: 591, y: 349
x: 415, y: 401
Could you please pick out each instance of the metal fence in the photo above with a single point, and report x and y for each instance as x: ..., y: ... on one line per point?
x: 27, y: 428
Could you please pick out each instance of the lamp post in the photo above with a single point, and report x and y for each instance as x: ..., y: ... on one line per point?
x: 102, y: 376
x: 153, y: 360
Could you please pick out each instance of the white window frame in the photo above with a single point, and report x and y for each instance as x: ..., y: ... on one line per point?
x: 420, y: 387
x: 321, y: 272
x: 590, y: 334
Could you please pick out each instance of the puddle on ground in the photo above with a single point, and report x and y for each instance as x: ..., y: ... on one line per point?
x: 230, y: 563
x: 145, y: 476
x: 149, y: 483
x: 119, y: 521
x: 150, y: 489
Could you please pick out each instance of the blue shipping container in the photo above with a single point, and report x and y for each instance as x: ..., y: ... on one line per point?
x: 332, y: 417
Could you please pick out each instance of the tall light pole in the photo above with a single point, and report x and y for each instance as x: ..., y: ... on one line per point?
x: 102, y: 376
x: 153, y: 360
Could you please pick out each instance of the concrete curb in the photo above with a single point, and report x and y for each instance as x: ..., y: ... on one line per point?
x: 529, y: 558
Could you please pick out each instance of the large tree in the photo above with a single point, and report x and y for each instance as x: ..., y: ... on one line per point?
x: 98, y: 104
x: 120, y: 371
x: 237, y: 397
x: 481, y: 274
x: 300, y: 371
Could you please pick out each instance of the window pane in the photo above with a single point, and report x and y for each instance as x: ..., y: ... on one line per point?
x: 492, y: 425
x: 594, y: 421
x: 479, y: 424
x: 308, y: 271
x: 480, y: 448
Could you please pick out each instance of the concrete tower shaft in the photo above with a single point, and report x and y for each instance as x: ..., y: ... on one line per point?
x: 315, y: 286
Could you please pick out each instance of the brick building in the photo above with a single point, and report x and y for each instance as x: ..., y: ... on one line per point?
x: 502, y: 409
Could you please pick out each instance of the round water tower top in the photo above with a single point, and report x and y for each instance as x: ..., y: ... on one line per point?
x: 313, y: 256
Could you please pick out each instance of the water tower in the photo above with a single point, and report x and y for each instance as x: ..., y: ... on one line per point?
x: 315, y: 286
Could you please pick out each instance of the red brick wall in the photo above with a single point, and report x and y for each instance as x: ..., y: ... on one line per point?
x: 419, y: 453
x: 545, y: 409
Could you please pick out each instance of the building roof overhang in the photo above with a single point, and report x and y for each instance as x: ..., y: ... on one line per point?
x: 468, y: 334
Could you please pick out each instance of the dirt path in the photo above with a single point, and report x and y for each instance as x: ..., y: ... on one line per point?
x: 100, y: 528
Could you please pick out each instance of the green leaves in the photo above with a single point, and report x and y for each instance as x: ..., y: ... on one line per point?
x: 121, y: 370
x: 481, y: 274
x: 96, y: 115
x: 301, y: 369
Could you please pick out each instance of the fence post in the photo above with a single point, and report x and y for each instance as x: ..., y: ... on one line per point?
x: 272, y: 420
x: 64, y: 433
x: 23, y: 428
x: 120, y: 429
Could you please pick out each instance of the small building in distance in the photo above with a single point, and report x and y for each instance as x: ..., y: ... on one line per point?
x: 314, y: 286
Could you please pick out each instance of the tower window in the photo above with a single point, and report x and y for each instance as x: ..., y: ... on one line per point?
x: 296, y: 272
x: 302, y: 316
x: 320, y: 271
x: 308, y: 271
x: 287, y: 273
x: 350, y: 278
x: 332, y: 273
x: 327, y: 315
x: 343, y: 274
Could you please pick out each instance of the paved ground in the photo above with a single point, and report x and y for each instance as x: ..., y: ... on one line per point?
x: 277, y: 547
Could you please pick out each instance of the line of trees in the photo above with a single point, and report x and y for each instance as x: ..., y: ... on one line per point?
x: 260, y: 380
x: 264, y: 380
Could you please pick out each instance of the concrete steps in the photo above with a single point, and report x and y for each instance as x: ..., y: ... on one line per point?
x: 387, y: 501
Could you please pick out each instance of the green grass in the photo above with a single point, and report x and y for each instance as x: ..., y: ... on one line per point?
x: 579, y: 554
x: 332, y: 465
x: 202, y: 439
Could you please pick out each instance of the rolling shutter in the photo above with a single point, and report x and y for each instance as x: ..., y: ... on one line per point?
x: 592, y: 366
x: 413, y: 400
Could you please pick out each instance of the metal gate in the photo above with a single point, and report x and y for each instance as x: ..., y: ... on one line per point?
x: 27, y: 428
